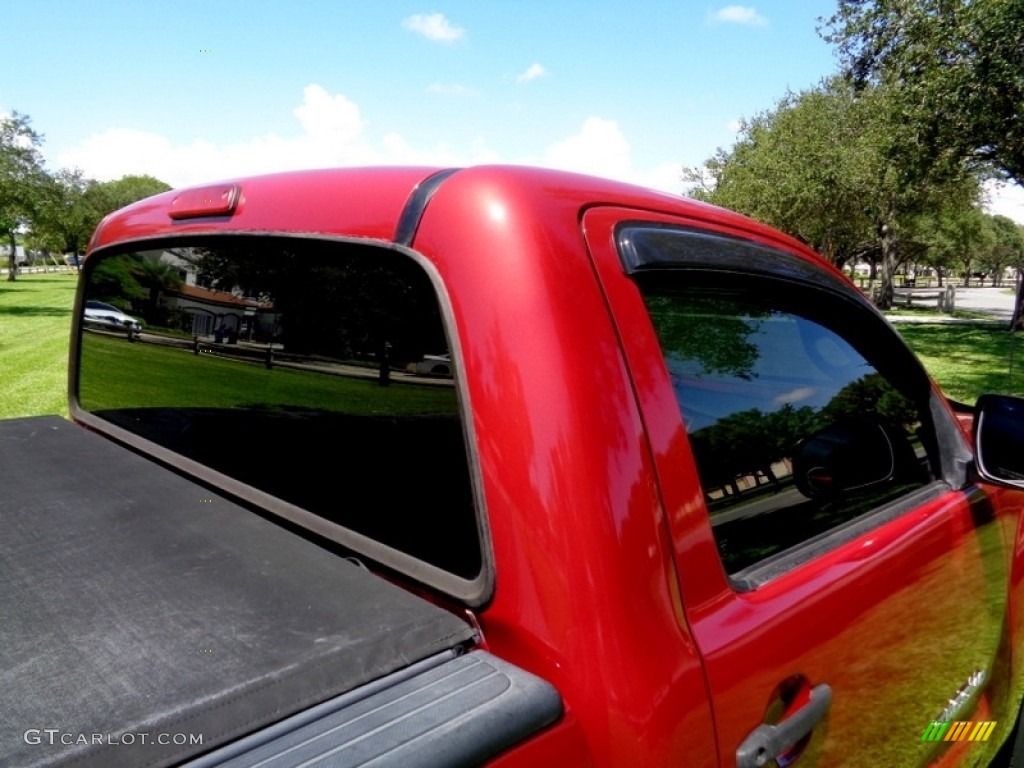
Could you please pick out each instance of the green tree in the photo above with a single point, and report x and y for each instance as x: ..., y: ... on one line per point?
x: 839, y: 169
x: 871, y: 395
x: 791, y: 168
x: 71, y: 206
x: 114, y: 281
x: 1006, y: 249
x: 704, y: 329
x: 750, y: 442
x: 957, y: 66
x: 108, y: 196
x: 155, y: 277
x: 64, y: 219
x: 948, y: 236
x: 22, y: 180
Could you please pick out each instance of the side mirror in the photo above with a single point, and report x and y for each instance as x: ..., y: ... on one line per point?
x: 999, y: 439
x: 849, y: 456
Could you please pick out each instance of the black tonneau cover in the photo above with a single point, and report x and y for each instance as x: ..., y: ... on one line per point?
x: 140, y: 611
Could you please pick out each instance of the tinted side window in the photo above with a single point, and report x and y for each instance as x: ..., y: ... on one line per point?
x: 316, y: 372
x: 798, y: 422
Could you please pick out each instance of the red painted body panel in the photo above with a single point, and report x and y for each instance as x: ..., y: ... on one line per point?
x: 865, y: 618
x: 608, y: 583
x: 355, y: 203
x: 580, y: 544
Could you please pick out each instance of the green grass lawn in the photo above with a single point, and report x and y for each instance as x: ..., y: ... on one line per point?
x: 969, y: 360
x: 118, y: 374
x: 35, y: 322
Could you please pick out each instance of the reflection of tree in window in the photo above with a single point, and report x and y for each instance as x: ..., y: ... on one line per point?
x: 157, y: 278
x: 752, y: 442
x: 331, y: 300
x: 749, y: 442
x: 706, y: 331
x: 872, y: 394
x: 763, y: 389
x: 135, y: 282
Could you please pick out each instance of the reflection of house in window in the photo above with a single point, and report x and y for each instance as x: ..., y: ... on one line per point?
x: 212, y: 310
x: 203, y: 310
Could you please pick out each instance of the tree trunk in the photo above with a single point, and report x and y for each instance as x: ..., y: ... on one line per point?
x: 884, y: 292
x: 12, y: 261
x: 154, y: 301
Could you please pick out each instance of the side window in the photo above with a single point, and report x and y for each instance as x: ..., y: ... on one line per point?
x: 317, y: 373
x: 798, y: 420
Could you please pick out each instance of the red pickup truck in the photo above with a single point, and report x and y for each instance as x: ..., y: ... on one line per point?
x: 656, y: 477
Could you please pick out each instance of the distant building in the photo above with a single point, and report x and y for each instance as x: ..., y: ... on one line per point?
x: 212, y: 309
x: 20, y: 256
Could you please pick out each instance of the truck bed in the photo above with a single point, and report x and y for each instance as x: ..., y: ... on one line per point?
x: 137, y: 602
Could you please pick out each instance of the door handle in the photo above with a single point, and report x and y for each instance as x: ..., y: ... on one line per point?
x: 767, y: 742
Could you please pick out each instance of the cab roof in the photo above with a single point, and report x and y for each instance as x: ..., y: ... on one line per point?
x: 381, y: 202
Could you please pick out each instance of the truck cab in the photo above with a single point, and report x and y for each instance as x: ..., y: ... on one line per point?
x: 676, y: 468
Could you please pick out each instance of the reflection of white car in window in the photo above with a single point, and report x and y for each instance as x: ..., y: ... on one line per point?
x: 107, y: 317
x: 437, y: 365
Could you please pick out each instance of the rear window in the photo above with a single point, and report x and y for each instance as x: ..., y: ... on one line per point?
x: 317, y: 373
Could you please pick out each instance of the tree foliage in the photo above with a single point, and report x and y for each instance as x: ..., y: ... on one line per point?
x: 71, y: 207
x: 704, y: 328
x: 1005, y: 249
x: 58, y: 211
x: 795, y: 167
x: 22, y: 179
x: 840, y: 169
x: 329, y: 301
x: 108, y: 196
x: 956, y: 65
x: 135, y: 283
x: 947, y: 235
x: 64, y: 219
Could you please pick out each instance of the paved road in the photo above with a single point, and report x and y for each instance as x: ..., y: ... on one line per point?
x: 996, y: 303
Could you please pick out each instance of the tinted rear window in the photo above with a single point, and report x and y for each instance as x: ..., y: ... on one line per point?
x: 316, y: 372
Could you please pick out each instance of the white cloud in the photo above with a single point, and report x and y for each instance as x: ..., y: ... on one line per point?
x: 331, y: 128
x: 332, y: 132
x: 1005, y: 200
x: 433, y: 26
x: 599, y: 148
x: 532, y: 72
x: 739, y: 14
x: 798, y: 394
x: 396, y: 150
x: 327, y: 117
x: 666, y: 177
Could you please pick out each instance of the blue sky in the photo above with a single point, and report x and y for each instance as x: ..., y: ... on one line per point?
x: 197, y: 91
